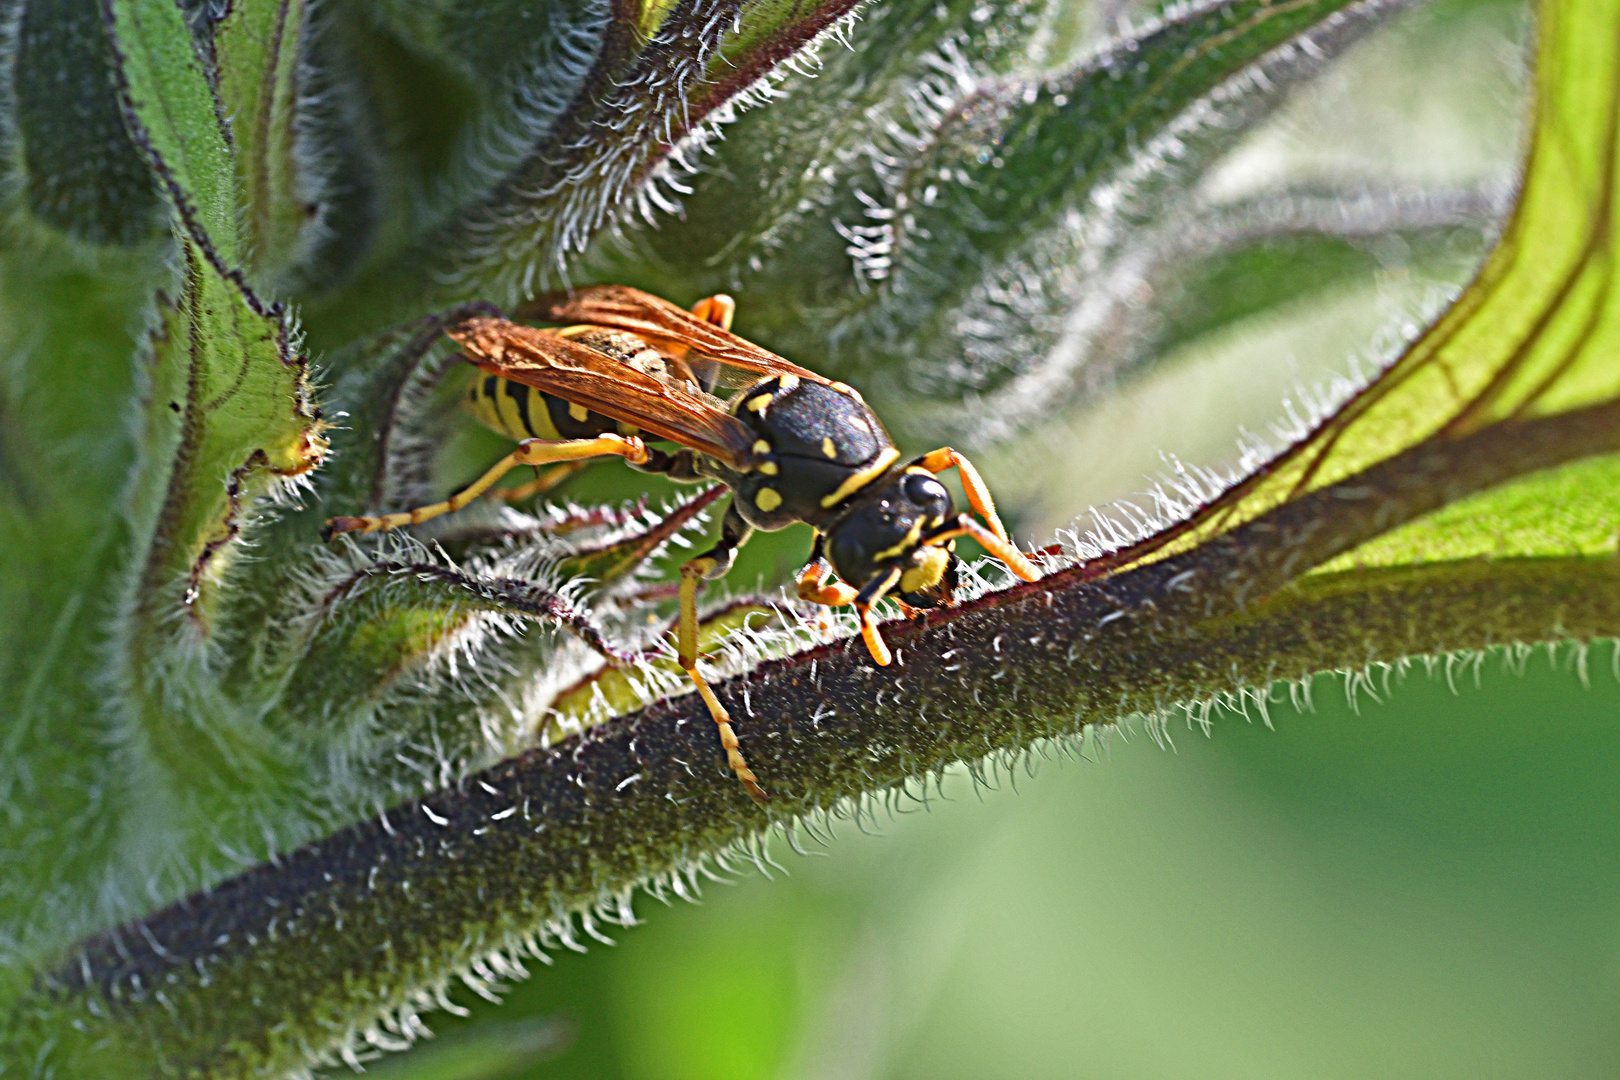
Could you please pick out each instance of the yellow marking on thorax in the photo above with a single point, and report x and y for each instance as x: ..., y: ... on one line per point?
x: 827, y: 446
x: 904, y: 545
x: 768, y: 499
x: 859, y: 480
x: 578, y: 412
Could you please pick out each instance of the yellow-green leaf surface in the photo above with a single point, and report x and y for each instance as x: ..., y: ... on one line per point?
x: 230, y: 400
x: 1536, y: 333
x: 256, y: 48
x: 165, y: 86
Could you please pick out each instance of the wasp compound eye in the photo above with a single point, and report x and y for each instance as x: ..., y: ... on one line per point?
x: 926, y: 494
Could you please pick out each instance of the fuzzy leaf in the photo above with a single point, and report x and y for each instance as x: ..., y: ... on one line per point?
x: 927, y: 213
x: 256, y: 49
x: 83, y: 172
x: 661, y: 72
x: 176, y: 119
x: 1534, y: 335
x: 229, y: 405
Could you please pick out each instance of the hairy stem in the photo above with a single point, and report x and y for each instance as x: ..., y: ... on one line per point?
x: 264, y: 972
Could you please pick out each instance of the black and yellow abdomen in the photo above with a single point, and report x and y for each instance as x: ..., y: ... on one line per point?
x: 521, y: 412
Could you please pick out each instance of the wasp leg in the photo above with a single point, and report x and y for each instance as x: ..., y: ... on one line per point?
x: 540, y: 484
x: 733, y: 533
x: 978, y: 496
x: 528, y: 452
x: 999, y: 546
x: 717, y: 309
x: 871, y: 593
x: 813, y: 587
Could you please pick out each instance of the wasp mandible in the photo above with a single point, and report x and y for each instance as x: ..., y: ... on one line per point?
x: 626, y: 368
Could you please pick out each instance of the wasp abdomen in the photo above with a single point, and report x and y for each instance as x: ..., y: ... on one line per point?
x: 521, y: 412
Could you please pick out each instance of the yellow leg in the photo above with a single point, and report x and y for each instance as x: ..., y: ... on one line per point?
x: 528, y: 452
x: 979, y: 498
x: 999, y: 546
x: 978, y: 495
x: 873, y: 637
x: 686, y: 651
x: 812, y: 586
x: 717, y: 309
x: 541, y: 484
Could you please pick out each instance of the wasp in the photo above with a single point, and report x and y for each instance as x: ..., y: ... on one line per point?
x: 626, y: 369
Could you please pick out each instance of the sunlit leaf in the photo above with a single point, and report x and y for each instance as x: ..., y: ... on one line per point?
x: 927, y: 211
x: 1534, y: 335
x: 257, y: 47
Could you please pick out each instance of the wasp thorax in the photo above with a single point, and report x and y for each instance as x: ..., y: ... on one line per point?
x: 816, y: 447
x: 885, y: 530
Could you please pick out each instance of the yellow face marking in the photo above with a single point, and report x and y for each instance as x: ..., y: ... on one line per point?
x: 578, y: 412
x: 767, y: 499
x: 905, y: 545
x: 768, y: 468
x: 787, y: 382
x: 762, y: 447
x: 827, y: 446
x: 855, y: 482
x: 928, y: 572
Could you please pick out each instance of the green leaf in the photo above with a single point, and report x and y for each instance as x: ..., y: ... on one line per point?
x: 229, y: 404
x: 927, y: 212
x: 175, y: 117
x: 1534, y: 334
x: 489, y: 1052
x: 82, y: 172
x: 257, y: 48
x: 662, y: 73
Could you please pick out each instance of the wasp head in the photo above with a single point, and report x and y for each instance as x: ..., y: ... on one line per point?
x: 892, y: 528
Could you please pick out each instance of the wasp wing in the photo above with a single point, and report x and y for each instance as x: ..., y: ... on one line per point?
x: 584, y: 376
x: 664, y: 325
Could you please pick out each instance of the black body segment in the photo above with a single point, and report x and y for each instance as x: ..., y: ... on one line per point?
x: 885, y: 526
x: 819, y: 446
